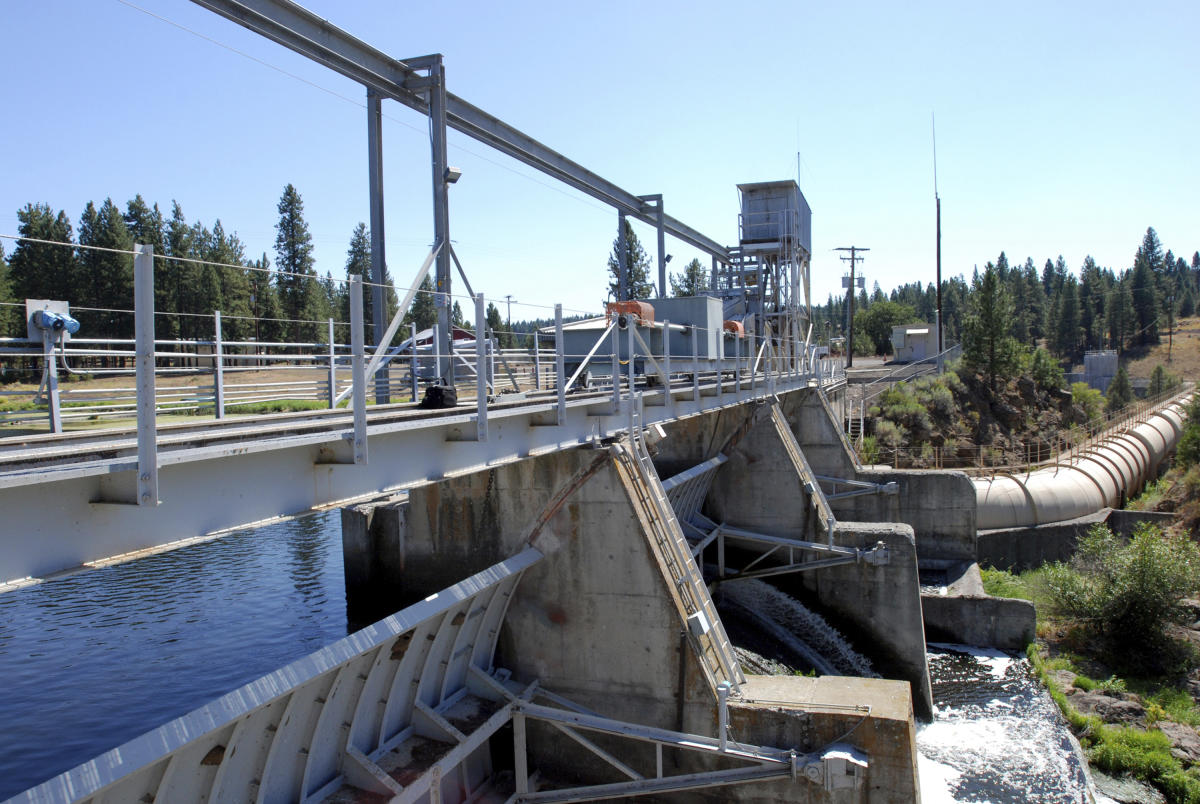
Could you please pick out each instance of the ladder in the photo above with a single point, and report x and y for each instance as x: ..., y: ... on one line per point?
x: 675, y: 556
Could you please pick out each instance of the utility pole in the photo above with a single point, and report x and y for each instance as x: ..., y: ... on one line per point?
x: 508, y: 318
x: 938, y: 201
x: 853, y: 259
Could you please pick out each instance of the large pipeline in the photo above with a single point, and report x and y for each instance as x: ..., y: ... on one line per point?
x: 1102, y: 476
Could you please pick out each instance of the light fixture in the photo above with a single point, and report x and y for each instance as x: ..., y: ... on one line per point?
x: 453, y: 174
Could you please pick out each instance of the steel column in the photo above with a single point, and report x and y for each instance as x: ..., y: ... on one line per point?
x: 560, y: 379
x: 623, y: 292
x: 378, y: 250
x: 481, y: 388
x: 441, y: 214
x: 332, y: 368
x: 143, y: 306
x: 415, y: 364
x: 218, y: 369
x: 50, y: 368
x: 357, y: 365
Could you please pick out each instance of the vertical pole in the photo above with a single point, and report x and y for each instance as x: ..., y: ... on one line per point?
x: 713, y: 282
x: 358, y: 394
x: 332, y: 368
x: 737, y: 365
x: 437, y: 350
x: 622, y: 259
x: 630, y: 364
x: 751, y: 360
x: 378, y: 252
x: 696, y: 365
x: 850, y: 315
x: 560, y: 373
x: 441, y: 218
x: 520, y: 759
x: 481, y: 388
x: 50, y: 368
x: 616, y: 371
x: 537, y: 360
x: 723, y: 714
x: 670, y: 400
x: 218, y: 369
x: 416, y: 365
x: 662, y: 252
x: 143, y: 305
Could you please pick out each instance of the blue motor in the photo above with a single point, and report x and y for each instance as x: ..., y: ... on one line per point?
x: 55, y: 322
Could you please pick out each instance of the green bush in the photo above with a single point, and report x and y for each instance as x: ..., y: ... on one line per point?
x: 889, y: 435
x: 1188, y: 452
x: 1045, y: 370
x: 868, y: 451
x: 1127, y: 593
x: 1091, y: 400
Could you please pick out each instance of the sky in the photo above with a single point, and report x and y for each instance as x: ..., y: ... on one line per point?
x: 1062, y: 128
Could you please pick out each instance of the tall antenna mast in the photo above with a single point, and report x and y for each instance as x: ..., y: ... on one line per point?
x: 938, y: 202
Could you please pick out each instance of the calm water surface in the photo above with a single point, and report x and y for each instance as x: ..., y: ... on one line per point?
x: 93, y: 660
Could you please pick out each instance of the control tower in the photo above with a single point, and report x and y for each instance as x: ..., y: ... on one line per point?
x: 767, y: 282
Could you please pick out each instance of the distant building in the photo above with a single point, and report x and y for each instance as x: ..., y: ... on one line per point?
x: 914, y: 342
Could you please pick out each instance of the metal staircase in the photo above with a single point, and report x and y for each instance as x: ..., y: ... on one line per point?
x: 675, y: 557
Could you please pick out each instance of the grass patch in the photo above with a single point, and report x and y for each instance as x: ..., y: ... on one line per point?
x: 275, y: 406
x: 1145, y: 755
x: 1002, y: 583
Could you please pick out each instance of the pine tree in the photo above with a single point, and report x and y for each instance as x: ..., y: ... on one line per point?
x: 692, y: 281
x: 178, y: 276
x: 423, y: 311
x: 264, y: 303
x: 1066, y: 325
x: 492, y: 322
x: 1146, y: 265
x: 227, y: 250
x: 1035, y: 298
x: 1120, y: 314
x: 358, y: 261
x: 300, y: 294
x: 41, y: 270
x: 107, y: 276
x: 1119, y: 393
x: 202, y: 297
x: 9, y: 313
x: 637, y: 265
x: 987, y: 346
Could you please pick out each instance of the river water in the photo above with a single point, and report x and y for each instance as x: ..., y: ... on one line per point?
x: 996, y: 735
x: 90, y: 661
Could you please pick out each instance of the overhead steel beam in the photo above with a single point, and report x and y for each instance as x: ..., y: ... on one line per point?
x: 300, y: 30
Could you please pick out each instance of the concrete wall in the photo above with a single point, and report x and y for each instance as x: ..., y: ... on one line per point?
x: 979, y: 620
x: 939, y: 505
x: 884, y: 602
x: 1018, y: 549
x: 594, y: 621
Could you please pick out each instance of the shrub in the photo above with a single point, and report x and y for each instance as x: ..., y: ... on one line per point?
x: 1045, y: 370
x: 889, y: 435
x: 1127, y: 593
x: 868, y: 451
x: 1188, y: 452
x: 1091, y: 400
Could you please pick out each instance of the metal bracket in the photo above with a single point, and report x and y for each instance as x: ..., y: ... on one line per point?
x: 860, y: 487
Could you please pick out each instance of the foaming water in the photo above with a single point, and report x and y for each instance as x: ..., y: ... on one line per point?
x: 90, y: 661
x: 996, y: 734
x: 803, y: 632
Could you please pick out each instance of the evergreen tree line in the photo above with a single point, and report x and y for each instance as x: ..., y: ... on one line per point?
x: 1067, y: 314
x: 203, y: 270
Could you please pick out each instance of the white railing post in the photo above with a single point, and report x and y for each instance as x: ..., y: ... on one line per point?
x: 415, y: 364
x: 332, y: 369
x: 630, y: 364
x: 50, y: 368
x: 218, y: 369
x: 560, y: 359
x: 696, y: 364
x: 737, y: 366
x: 143, y: 317
x: 481, y: 387
x: 537, y: 360
x: 667, y: 362
x: 616, y: 371
x: 358, y: 393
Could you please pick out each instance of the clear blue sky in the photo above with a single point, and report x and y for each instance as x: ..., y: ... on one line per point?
x: 1063, y: 128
